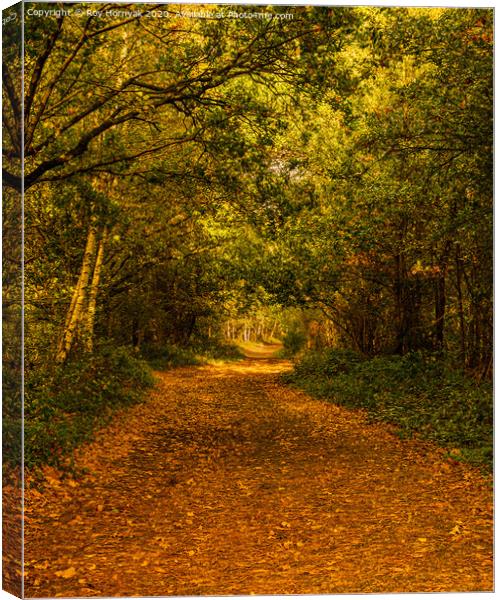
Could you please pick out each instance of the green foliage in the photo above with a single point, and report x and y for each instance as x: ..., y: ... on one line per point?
x: 213, y: 349
x: 62, y: 409
x: 293, y: 342
x: 170, y: 356
x: 11, y: 417
x: 326, y: 363
x: 417, y: 392
x: 337, y: 164
x: 166, y: 357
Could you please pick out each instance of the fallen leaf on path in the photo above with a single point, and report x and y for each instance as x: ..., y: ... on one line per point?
x: 67, y: 573
x: 357, y: 516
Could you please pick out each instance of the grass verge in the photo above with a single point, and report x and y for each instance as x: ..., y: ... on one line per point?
x: 416, y: 392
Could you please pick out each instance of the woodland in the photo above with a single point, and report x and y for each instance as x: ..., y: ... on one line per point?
x: 241, y: 231
x: 192, y: 182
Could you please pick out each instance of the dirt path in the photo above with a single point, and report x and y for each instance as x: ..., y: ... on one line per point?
x: 227, y: 482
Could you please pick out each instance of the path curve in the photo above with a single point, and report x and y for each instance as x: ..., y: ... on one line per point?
x: 227, y: 482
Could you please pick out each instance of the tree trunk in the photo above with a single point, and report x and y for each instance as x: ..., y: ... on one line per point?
x: 92, y: 296
x: 440, y: 308
x: 458, y: 263
x: 75, y: 310
x: 441, y: 296
x: 401, y: 295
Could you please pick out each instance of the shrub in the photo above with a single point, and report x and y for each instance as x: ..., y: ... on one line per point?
x: 293, y: 342
x: 11, y: 417
x: 169, y: 356
x: 165, y: 357
x: 218, y: 350
x: 64, y: 408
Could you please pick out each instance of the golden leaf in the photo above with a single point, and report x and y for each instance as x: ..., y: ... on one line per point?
x: 67, y: 573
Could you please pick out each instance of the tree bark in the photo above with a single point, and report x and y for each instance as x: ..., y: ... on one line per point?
x: 440, y: 308
x: 459, y: 268
x: 75, y: 310
x: 92, y: 296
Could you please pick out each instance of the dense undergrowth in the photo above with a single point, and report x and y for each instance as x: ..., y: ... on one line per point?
x: 419, y: 393
x: 11, y: 421
x: 64, y: 408
x: 166, y: 357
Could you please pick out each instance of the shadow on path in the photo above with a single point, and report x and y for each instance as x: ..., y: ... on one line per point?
x: 227, y: 482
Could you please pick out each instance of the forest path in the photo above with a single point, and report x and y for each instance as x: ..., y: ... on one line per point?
x: 225, y: 481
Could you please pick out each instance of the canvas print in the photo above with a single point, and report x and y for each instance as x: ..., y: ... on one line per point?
x: 247, y: 299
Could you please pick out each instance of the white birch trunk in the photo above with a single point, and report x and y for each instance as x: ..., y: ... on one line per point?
x: 78, y: 300
x: 92, y: 295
